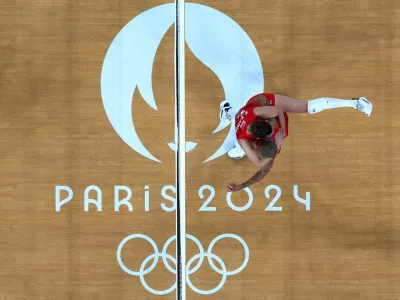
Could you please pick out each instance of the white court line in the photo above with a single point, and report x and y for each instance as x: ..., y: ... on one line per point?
x: 181, y: 147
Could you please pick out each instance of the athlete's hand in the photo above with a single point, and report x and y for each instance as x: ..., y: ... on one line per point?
x: 282, y: 131
x: 279, y: 137
x: 234, y: 187
x: 256, y: 144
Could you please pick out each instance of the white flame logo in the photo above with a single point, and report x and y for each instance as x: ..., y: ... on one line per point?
x: 214, y: 38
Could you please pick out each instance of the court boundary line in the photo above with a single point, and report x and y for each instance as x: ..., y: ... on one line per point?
x: 180, y: 178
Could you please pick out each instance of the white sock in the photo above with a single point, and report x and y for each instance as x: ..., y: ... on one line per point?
x: 320, y: 104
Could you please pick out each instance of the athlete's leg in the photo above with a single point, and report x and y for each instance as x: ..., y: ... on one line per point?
x: 291, y: 105
x: 317, y: 105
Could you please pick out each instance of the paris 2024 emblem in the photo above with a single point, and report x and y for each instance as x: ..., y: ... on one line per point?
x: 214, y: 38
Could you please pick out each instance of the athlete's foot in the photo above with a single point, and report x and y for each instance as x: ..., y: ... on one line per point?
x: 236, y: 153
x: 363, y: 105
x: 225, y: 111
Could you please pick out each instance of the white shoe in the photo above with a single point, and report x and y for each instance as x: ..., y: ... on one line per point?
x: 236, y: 153
x: 364, y: 105
x: 225, y: 111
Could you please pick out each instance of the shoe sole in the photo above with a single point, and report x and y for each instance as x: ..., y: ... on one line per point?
x: 224, y: 107
x: 368, y: 104
x: 236, y: 157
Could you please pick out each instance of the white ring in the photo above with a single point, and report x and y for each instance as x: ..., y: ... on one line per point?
x: 146, y: 286
x: 131, y: 237
x: 201, y: 253
x: 246, y: 253
x: 164, y: 255
x: 218, y: 287
x: 189, y: 271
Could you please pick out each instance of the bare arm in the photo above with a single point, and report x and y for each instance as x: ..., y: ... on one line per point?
x: 267, y: 111
x: 250, y: 152
x: 281, y: 117
x: 260, y: 174
x: 267, y: 166
x: 272, y: 112
x: 279, y: 137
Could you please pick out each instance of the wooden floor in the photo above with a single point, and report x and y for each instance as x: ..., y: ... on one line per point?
x: 55, y: 132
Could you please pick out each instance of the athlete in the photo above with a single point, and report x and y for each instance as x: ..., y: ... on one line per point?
x: 262, y: 125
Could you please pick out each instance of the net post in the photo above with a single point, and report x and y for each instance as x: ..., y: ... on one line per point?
x: 181, y: 149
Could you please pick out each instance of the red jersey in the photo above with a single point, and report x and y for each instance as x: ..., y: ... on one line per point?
x: 246, y: 116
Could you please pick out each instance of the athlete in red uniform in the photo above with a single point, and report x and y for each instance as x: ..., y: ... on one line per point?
x: 259, y: 109
x: 262, y: 125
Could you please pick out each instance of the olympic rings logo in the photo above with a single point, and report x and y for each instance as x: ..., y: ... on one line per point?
x: 167, y: 258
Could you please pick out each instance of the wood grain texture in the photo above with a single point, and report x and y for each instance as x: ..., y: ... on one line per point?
x: 55, y: 132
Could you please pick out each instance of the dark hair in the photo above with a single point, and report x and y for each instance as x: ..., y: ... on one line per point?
x: 261, y: 129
